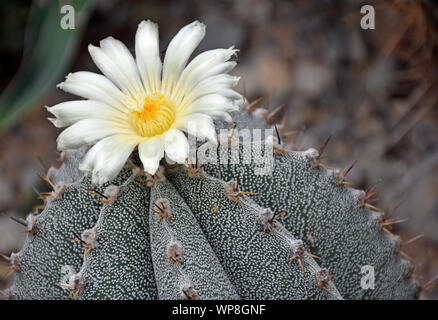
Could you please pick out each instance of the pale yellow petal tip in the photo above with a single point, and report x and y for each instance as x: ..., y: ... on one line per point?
x: 68, y: 78
x: 198, y: 23
x: 151, y: 170
x: 57, y: 123
x: 85, y: 165
x: 146, y: 23
x: 61, y: 147
x: 97, y: 179
x: 233, y: 51
x: 107, y: 40
x: 179, y: 160
x: 92, y: 48
x: 52, y: 111
x: 175, y: 156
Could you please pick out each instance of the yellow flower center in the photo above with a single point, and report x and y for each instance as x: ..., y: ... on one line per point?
x: 153, y: 115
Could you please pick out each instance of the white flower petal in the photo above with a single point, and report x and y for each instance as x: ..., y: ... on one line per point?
x: 118, y: 71
x: 218, y: 69
x: 220, y: 115
x: 88, y: 131
x: 198, y: 92
x: 220, y: 83
x: 70, y: 112
x: 203, y: 66
x: 179, y: 51
x: 168, y: 160
x: 199, y: 125
x: 205, y: 61
x: 147, y: 54
x: 225, y: 80
x: 57, y: 123
x: 224, y: 67
x: 212, y: 102
x: 93, y: 86
x: 176, y: 145
x: 116, y: 50
x: 107, y: 157
x: 230, y: 94
x: 151, y: 152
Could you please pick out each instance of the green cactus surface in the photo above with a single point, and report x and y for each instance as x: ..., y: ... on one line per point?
x: 287, y: 228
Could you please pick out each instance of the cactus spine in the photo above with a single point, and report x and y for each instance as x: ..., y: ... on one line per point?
x: 218, y: 231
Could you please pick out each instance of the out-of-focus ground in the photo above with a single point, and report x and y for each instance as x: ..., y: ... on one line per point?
x: 374, y: 91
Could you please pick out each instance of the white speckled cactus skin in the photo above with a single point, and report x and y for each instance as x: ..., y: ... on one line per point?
x: 295, y: 234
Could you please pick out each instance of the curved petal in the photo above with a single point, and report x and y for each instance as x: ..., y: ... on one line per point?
x: 212, y: 102
x: 176, y: 145
x: 219, y: 68
x: 88, y: 131
x: 205, y: 61
x: 220, y: 83
x: 107, y: 157
x: 57, y: 123
x: 230, y: 94
x: 116, y: 62
x: 199, y: 125
x: 69, y: 112
x: 93, y: 86
x: 179, y: 51
x: 147, y: 53
x: 118, y: 52
x: 203, y: 66
x: 220, y: 115
x: 151, y: 152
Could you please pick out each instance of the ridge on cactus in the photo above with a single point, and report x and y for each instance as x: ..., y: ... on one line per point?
x: 143, y: 228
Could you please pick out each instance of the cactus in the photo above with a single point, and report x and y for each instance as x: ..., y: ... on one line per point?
x: 212, y: 231
x: 250, y: 220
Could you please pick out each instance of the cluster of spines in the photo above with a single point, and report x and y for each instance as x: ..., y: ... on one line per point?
x: 31, y: 222
x: 89, y: 238
x: 269, y: 224
x: 277, y: 117
x: 267, y: 217
x: 174, y: 250
x: 365, y: 198
x: 76, y: 284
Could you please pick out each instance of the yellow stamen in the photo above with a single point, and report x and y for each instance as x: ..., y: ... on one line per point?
x: 152, y: 117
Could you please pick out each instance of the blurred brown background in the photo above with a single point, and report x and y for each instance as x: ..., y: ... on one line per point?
x: 374, y: 91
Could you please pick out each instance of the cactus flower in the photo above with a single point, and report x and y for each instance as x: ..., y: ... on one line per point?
x: 145, y: 103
